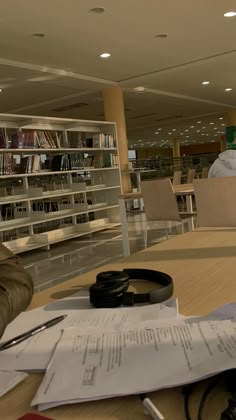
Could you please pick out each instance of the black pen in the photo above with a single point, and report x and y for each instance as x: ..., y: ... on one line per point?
x: 22, y: 337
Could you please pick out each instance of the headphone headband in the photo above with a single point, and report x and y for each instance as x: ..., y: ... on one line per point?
x: 110, y: 289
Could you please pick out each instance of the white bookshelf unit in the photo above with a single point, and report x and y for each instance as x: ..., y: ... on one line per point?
x: 59, y: 179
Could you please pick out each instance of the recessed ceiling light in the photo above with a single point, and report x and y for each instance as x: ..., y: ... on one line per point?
x: 170, y: 134
x: 215, y: 128
x: 198, y: 131
x: 218, y: 132
x: 223, y: 125
x: 39, y: 35
x: 204, y: 127
x: 159, y: 129
x: 97, y: 10
x: 105, y: 55
x: 187, y: 137
x: 228, y: 89
x: 156, y: 132
x: 229, y: 14
x: 192, y: 126
x: 216, y: 135
x: 163, y: 36
x: 205, y: 83
x: 0, y: 90
x: 199, y: 122
x: 202, y: 134
x: 181, y: 134
x: 174, y: 129
x: 211, y: 123
x: 213, y: 141
x: 221, y: 118
x: 139, y: 89
x: 186, y: 131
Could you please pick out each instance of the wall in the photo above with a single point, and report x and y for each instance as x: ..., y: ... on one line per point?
x: 184, y: 150
x: 200, y: 148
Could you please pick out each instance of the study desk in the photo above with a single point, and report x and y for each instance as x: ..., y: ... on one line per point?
x: 203, y: 266
x: 186, y: 190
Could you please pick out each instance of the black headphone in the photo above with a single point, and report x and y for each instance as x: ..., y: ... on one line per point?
x: 110, y: 289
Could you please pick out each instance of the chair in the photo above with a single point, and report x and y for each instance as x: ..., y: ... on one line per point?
x: 191, y: 175
x: 215, y: 201
x: 204, y: 173
x: 177, y: 178
x: 160, y: 204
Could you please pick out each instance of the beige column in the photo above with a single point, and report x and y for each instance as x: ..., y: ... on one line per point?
x: 176, y: 153
x: 115, y: 112
x: 223, y: 145
x: 176, y: 148
x: 231, y: 117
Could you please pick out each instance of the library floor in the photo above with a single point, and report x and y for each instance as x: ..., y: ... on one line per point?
x: 71, y: 258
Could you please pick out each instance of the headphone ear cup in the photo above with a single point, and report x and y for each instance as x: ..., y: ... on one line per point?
x: 109, y: 288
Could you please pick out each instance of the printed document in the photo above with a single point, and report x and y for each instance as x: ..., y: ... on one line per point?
x: 34, y: 354
x: 160, y: 354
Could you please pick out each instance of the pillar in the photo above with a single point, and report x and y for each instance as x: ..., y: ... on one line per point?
x: 231, y: 130
x: 223, y: 145
x: 231, y: 117
x: 176, y: 148
x: 115, y: 112
x: 176, y: 153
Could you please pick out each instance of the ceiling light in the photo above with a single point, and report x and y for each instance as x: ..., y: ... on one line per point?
x: 169, y: 134
x: 174, y: 129
x: 139, y: 89
x: 97, y: 10
x: 223, y: 125
x: 39, y: 35
x: 218, y: 132
x: 202, y: 134
x: 0, y: 90
x: 216, y: 135
x: 215, y: 128
x: 186, y: 130
x: 211, y: 123
x: 181, y: 134
x: 163, y: 36
x: 105, y: 55
x: 213, y: 141
x: 192, y: 126
x: 205, y: 83
x: 187, y: 137
x: 198, y: 131
x: 221, y: 118
x: 229, y: 14
x: 204, y: 127
x: 159, y: 129
x: 199, y: 122
x: 156, y: 132
x: 228, y: 89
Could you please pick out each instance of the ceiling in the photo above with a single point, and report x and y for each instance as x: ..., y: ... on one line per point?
x: 63, y: 75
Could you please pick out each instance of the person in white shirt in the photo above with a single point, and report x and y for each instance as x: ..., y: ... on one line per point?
x: 225, y: 165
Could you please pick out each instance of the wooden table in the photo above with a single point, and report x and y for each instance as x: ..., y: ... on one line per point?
x: 186, y: 190
x: 202, y: 264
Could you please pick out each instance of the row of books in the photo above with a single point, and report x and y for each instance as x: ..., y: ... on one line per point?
x: 7, y: 164
x: 19, y: 139
x: 104, y: 140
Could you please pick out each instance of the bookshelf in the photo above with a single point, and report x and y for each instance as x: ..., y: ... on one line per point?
x: 59, y: 179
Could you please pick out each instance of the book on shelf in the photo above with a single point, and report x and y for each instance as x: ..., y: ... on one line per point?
x: 48, y: 139
x: 61, y: 163
x: 30, y: 164
x: 6, y: 163
x: 104, y: 141
x: 3, y: 138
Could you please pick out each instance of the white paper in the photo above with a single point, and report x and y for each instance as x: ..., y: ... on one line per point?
x: 34, y: 354
x: 8, y: 380
x: 110, y: 363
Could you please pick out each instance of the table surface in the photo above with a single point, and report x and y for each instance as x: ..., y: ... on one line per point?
x: 202, y: 264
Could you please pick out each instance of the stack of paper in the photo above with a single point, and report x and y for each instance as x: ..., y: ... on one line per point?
x: 9, y: 380
x: 34, y: 354
x: 108, y: 362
